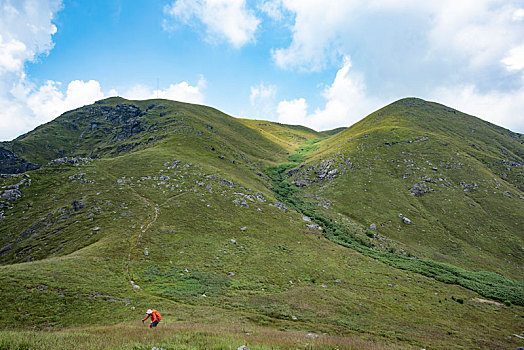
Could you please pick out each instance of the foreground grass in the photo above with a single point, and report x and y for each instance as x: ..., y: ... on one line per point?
x: 176, y: 336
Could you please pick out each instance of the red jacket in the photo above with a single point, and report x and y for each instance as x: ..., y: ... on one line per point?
x: 155, y: 316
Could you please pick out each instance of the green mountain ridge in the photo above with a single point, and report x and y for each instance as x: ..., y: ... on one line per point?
x: 157, y: 203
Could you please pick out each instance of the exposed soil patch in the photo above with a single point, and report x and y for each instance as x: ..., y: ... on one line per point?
x: 479, y: 300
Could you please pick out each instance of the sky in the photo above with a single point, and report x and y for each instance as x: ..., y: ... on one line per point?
x: 318, y: 63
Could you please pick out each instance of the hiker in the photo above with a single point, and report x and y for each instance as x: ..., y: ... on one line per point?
x: 155, y: 317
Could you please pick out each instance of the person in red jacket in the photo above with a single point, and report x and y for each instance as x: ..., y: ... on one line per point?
x: 155, y: 317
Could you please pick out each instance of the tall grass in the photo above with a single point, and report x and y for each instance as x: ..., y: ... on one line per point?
x: 179, y: 337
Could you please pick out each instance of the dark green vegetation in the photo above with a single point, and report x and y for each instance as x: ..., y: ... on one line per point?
x: 214, y: 221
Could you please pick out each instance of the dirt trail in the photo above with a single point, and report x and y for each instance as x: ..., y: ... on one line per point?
x: 143, y: 230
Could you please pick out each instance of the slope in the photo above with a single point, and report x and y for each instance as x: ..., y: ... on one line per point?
x: 457, y: 179
x: 204, y: 240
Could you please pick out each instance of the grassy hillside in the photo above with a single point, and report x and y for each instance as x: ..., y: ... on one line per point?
x: 192, y: 223
x: 458, y: 179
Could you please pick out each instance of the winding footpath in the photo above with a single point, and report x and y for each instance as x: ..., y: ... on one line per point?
x: 143, y: 229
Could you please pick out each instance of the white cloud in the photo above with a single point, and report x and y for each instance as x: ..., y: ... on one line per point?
x: 227, y: 20
x: 272, y: 8
x: 182, y: 92
x: 12, y: 55
x: 26, y: 33
x: 411, y: 48
x: 48, y: 101
x: 262, y: 92
x: 503, y: 109
x: 515, y: 59
x: 468, y: 34
x: 292, y: 112
x: 346, y: 103
x: 262, y: 100
x: 518, y: 15
x: 316, y: 31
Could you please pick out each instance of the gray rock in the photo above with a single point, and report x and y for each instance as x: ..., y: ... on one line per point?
x: 227, y: 183
x: 324, y: 172
x: 11, y: 195
x: 406, y: 220
x: 280, y: 206
x: 314, y: 227
x: 305, y: 218
x: 79, y: 205
x: 419, y: 189
x: 243, y: 347
x: 243, y: 228
x: 230, y: 274
x: 373, y: 227
x: 241, y: 202
x: 260, y: 197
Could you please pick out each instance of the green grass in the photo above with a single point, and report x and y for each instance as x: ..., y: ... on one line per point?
x: 186, y: 197
x: 472, y: 213
x: 487, y: 284
x: 178, y: 336
x: 301, y: 152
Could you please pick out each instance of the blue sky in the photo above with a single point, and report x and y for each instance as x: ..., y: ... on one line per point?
x: 310, y: 62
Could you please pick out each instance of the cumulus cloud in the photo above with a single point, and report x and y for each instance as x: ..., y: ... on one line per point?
x: 471, y: 48
x: 346, y: 103
x: 182, y: 92
x: 262, y: 102
x: 293, y: 112
x: 515, y: 59
x: 472, y: 33
x: 26, y: 33
x: 48, y: 102
x: 503, y: 109
x: 272, y: 8
x: 225, y: 20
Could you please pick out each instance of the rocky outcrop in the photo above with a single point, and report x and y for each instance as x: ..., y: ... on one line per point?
x: 71, y: 160
x: 10, y: 163
x: 326, y: 170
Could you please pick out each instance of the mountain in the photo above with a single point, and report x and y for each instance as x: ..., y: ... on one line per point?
x: 232, y: 227
x: 459, y: 179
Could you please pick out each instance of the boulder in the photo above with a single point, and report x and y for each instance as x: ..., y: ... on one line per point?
x: 280, y: 206
x: 314, y: 227
x: 78, y: 205
x: 324, y: 171
x: 11, y: 195
x: 373, y: 227
x: 406, y: 220
x: 419, y: 189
